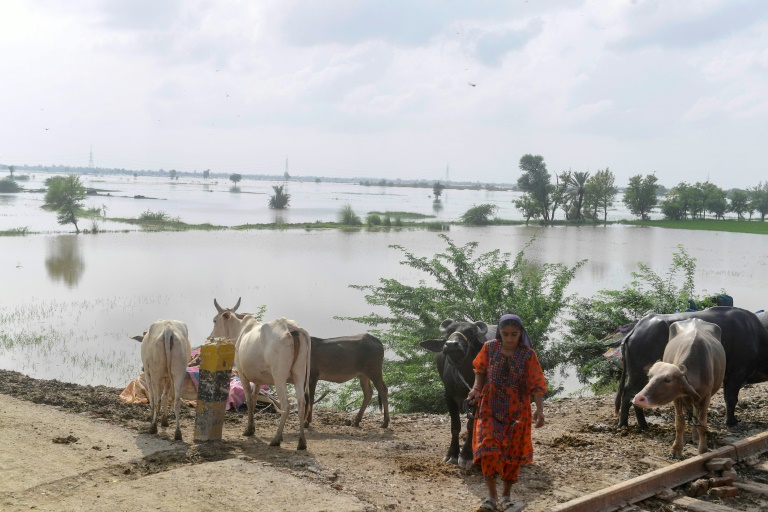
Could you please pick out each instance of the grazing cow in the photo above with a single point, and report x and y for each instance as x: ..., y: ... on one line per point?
x: 344, y: 358
x: 690, y: 372
x: 165, y: 351
x: 275, y: 352
x: 454, y: 364
x: 744, y: 339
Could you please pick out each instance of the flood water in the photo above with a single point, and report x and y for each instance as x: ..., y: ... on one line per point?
x: 68, y: 303
x: 197, y: 201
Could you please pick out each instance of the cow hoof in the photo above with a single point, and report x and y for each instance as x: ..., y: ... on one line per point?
x: 164, y: 423
x: 302, y: 445
x: 465, y: 464
x: 356, y: 424
x: 306, y: 424
x: 177, y: 436
x: 274, y: 442
x: 385, y: 424
x: 153, y: 429
x: 452, y: 460
x: 249, y: 431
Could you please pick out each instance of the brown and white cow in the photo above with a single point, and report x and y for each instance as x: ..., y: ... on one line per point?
x: 691, y: 371
x: 344, y: 358
x: 275, y: 352
x: 165, y: 351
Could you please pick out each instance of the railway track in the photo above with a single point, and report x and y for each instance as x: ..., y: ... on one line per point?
x: 723, y: 480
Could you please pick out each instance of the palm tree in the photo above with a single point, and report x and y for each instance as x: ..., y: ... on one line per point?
x: 576, y: 182
x: 280, y: 199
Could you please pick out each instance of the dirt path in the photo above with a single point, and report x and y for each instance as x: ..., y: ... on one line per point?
x: 80, y: 448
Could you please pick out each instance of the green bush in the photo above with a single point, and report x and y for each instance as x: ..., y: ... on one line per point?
x: 373, y: 220
x: 479, y: 215
x: 348, y: 217
x: 592, y: 319
x: 150, y: 216
x: 9, y: 185
x: 463, y: 287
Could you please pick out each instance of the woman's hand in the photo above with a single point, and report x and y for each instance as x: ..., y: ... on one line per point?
x: 539, y: 417
x: 473, y: 395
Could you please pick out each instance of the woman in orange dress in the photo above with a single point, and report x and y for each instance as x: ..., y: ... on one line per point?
x: 507, y: 374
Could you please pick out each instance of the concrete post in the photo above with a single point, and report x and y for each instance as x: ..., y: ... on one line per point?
x: 216, y: 360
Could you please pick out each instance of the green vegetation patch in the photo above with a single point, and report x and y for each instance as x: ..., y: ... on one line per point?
x: 728, y: 225
x: 403, y: 215
x: 15, y: 232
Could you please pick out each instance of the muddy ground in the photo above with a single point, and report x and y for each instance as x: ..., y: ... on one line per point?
x: 578, y: 451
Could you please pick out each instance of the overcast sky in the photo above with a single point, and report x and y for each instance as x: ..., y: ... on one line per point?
x: 390, y: 88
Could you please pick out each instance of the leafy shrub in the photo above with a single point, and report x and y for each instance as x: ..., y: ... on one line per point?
x: 150, y: 216
x: 479, y: 215
x: 593, y: 318
x: 348, y: 217
x: 373, y: 219
x: 8, y: 184
x: 463, y: 287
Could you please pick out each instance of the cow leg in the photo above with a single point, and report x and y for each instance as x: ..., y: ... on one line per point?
x: 466, y: 458
x: 311, y: 401
x: 250, y: 402
x: 701, y: 428
x: 731, y: 395
x: 383, y: 392
x: 177, y: 387
x: 640, y: 415
x: 301, y: 399
x: 453, y: 451
x: 677, y: 445
x: 153, y: 390
x: 365, y: 383
x: 626, y: 401
x: 164, y: 402
x: 282, y: 396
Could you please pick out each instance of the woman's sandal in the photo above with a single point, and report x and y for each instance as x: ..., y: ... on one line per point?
x: 506, y: 505
x: 487, y: 504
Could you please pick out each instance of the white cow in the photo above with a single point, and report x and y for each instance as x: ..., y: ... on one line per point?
x: 165, y: 351
x: 275, y: 352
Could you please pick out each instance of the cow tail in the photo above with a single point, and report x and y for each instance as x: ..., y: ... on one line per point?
x: 306, y: 337
x: 168, y: 340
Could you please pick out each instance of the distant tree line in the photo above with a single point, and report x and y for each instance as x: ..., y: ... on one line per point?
x: 583, y: 197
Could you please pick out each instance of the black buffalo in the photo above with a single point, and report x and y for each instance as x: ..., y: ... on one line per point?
x: 744, y: 339
x: 462, y: 343
x: 344, y: 358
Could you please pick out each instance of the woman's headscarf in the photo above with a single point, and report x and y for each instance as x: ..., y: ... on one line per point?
x: 523, y: 335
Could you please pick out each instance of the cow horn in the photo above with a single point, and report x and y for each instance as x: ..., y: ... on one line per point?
x: 237, y: 305
x: 218, y: 308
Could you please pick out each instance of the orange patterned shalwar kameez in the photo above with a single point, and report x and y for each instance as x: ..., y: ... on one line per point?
x: 502, y: 434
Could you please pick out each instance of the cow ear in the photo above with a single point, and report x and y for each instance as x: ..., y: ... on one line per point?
x: 683, y: 369
x: 482, y: 328
x: 688, y: 389
x: 446, y: 323
x: 432, y: 345
x: 138, y: 338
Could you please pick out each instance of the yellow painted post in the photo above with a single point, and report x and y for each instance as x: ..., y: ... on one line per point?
x: 216, y: 360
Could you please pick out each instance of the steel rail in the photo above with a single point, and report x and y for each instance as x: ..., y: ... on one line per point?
x: 645, y: 486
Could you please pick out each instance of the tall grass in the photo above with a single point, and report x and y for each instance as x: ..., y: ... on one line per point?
x: 348, y: 217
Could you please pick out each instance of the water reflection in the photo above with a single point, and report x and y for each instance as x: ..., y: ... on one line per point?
x: 437, y: 206
x: 64, y: 261
x: 7, y: 199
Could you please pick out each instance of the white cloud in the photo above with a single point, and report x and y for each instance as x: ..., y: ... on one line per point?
x: 389, y: 88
